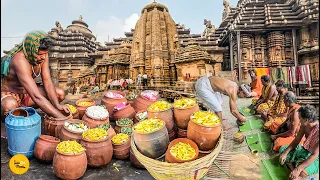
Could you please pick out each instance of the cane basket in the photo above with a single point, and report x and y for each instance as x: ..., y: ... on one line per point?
x: 192, y: 170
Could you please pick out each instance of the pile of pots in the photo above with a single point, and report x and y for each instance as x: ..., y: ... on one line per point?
x: 176, y: 121
x: 202, y: 137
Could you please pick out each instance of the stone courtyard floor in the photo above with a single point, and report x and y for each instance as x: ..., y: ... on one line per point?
x: 242, y: 167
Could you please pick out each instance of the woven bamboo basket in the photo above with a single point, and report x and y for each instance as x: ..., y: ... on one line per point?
x: 192, y: 170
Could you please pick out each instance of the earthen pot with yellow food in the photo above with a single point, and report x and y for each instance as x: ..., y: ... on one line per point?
x: 204, y: 129
x: 70, y: 160
x: 121, y: 146
x: 181, y: 150
x: 183, y: 109
x: 98, y: 146
x: 83, y: 104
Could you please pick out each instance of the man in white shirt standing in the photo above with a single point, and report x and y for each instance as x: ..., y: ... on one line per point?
x: 145, y: 79
x: 139, y: 79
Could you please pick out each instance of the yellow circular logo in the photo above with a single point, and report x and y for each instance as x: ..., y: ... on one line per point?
x: 19, y: 164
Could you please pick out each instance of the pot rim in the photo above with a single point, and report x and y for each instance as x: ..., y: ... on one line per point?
x: 134, y: 131
x: 96, y: 119
x: 192, y: 119
x: 105, y: 94
x: 122, y: 143
x: 52, y: 138
x: 85, y: 99
x: 146, y: 98
x: 75, y: 120
x: 95, y: 141
x: 159, y: 111
x: 186, y: 108
x: 175, y: 141
x: 65, y: 154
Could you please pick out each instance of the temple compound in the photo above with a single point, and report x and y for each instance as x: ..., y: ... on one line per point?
x: 254, y: 34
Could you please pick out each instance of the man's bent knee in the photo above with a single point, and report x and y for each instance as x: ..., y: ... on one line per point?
x: 60, y: 93
x: 7, y: 104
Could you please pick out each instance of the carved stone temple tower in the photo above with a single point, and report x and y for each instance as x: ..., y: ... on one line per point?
x: 155, y: 45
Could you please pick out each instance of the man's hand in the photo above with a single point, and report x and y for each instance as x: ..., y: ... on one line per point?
x: 295, y: 173
x: 282, y: 158
x: 65, y: 108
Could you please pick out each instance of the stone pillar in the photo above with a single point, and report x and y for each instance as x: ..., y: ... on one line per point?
x: 239, y: 56
x: 231, y: 51
x: 294, y: 45
x: 304, y: 37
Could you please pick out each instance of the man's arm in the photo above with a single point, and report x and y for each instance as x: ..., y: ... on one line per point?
x: 26, y: 80
x: 48, y: 85
x: 294, y: 127
x: 233, y: 107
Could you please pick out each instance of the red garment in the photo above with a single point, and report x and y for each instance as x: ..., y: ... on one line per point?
x: 256, y: 86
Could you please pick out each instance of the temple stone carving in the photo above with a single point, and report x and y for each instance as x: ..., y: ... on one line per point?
x: 153, y: 46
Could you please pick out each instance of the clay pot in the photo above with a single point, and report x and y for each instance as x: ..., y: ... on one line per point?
x: 67, y: 134
x: 111, y: 132
x: 182, y: 116
x: 110, y: 103
x: 118, y: 128
x: 134, y: 161
x: 141, y: 103
x: 69, y: 166
x: 203, y: 153
x: 153, y: 144
x: 171, y: 159
x: 75, y: 115
x: 82, y: 109
x: 52, y: 126
x: 45, y: 148
x: 136, y: 119
x: 172, y: 135
x: 93, y: 122
x: 166, y: 116
x: 99, y: 152
x: 126, y: 112
x: 205, y: 137
x: 130, y: 101
x: 182, y: 133
x: 121, y: 151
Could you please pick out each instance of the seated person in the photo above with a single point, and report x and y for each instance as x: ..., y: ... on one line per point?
x: 285, y: 132
x: 268, y: 95
x: 303, y: 159
x: 95, y: 89
x: 279, y: 109
x: 255, y: 88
